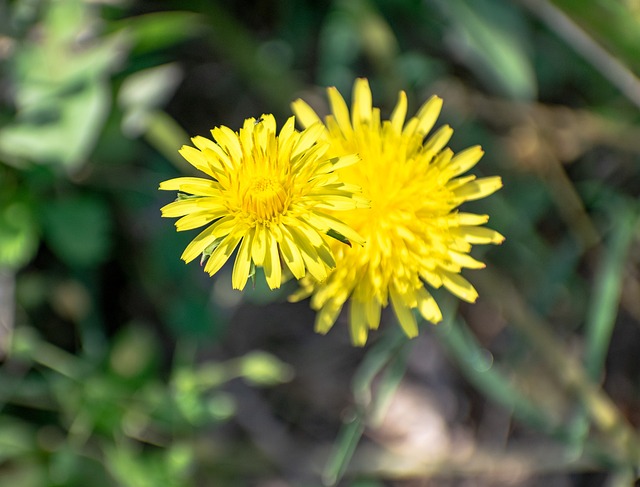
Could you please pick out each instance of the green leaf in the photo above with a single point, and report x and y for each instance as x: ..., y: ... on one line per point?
x: 18, y: 234
x: 614, y: 25
x: 343, y: 449
x: 61, y: 90
x: 603, y: 309
x: 68, y: 138
x: 491, y: 47
x: 142, y: 92
x: 264, y: 369
x: 476, y: 363
x: 159, y: 30
x: 18, y: 439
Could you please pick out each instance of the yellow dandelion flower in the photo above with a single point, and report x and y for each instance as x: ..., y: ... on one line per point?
x: 274, y: 196
x: 413, y: 231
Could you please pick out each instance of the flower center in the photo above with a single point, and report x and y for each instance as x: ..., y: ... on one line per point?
x: 265, y: 199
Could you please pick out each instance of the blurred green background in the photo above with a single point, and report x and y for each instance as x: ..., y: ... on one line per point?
x: 121, y: 366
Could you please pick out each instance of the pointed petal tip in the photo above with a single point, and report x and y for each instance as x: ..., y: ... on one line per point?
x: 436, y: 101
x: 321, y: 329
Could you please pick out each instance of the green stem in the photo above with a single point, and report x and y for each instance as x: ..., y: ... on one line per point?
x: 570, y: 373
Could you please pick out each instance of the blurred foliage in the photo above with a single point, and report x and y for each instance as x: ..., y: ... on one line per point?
x: 121, y: 365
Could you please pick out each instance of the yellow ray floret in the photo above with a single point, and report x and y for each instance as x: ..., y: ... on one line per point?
x: 414, y: 233
x: 273, y: 197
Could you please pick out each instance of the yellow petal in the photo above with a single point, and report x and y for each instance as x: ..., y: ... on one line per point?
x: 325, y: 222
x: 302, y: 293
x: 457, y: 183
x: 340, y: 112
x: 478, y: 189
x: 358, y: 323
x: 229, y: 141
x: 362, y: 102
x: 287, y: 129
x: 259, y: 246
x: 218, y: 158
x: 272, y: 268
x: 403, y: 313
x: 307, y: 139
x: 309, y: 232
x: 222, y: 253
x: 315, y: 266
x: 438, y: 140
x: 428, y: 307
x: 459, y: 286
x: 324, y: 252
x: 336, y: 163
x: 372, y: 311
x: 465, y: 160
x: 327, y: 316
x: 399, y: 112
x: 218, y: 229
x: 198, y: 219
x: 177, y: 184
x: 268, y: 123
x: 291, y: 256
x: 190, y: 205
x: 201, y: 189
x: 197, y: 159
x: 246, y: 137
x: 202, y: 143
x: 310, y: 256
x: 465, y: 260
x: 468, y: 219
x: 479, y: 235
x: 433, y: 278
x: 242, y: 265
x: 428, y: 114
x: 304, y: 113
x: 304, y: 161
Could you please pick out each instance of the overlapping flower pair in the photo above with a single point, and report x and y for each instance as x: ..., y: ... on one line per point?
x: 356, y: 208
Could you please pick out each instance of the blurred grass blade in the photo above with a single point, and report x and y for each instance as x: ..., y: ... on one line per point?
x: 167, y: 136
x: 237, y: 44
x: 477, y: 365
x: 615, y: 25
x: 624, y: 443
x: 602, y: 312
x: 389, y: 382
x: 160, y: 30
x: 618, y: 74
x: 486, y: 41
x: 601, y: 316
x: 389, y: 358
x: 343, y: 449
x: 373, y: 363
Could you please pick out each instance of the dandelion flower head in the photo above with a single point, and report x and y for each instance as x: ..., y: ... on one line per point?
x: 414, y: 233
x: 275, y: 196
